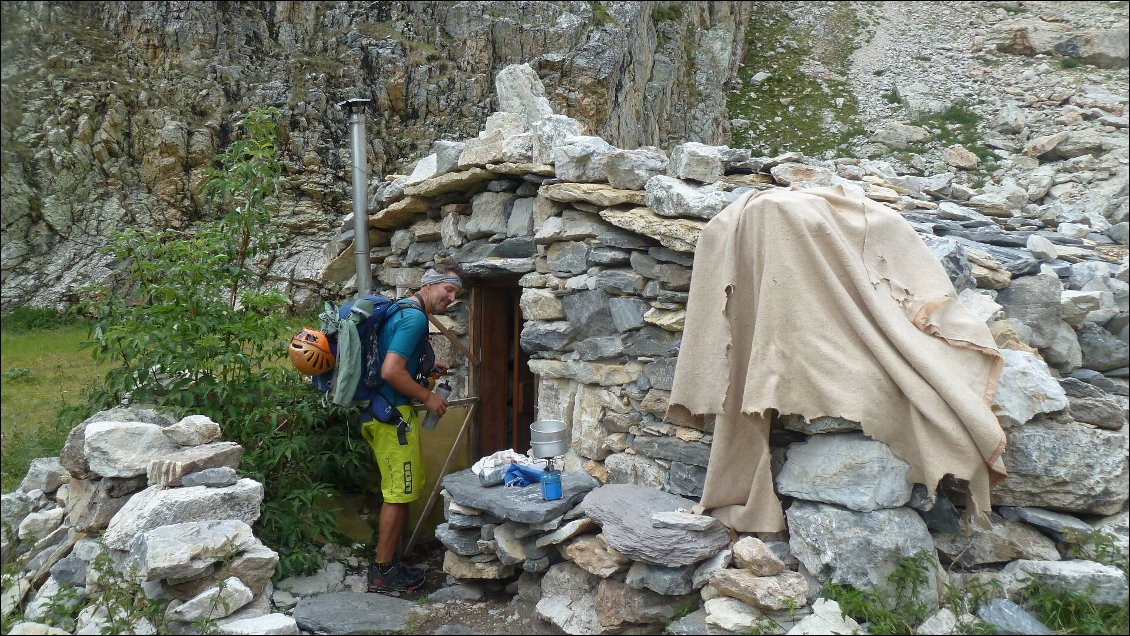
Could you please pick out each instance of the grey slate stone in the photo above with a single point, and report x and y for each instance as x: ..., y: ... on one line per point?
x: 538, y: 336
x: 461, y: 541
x: 599, y: 347
x: 1090, y: 376
x: 70, y: 571
x: 589, y: 313
x: 952, y: 257
x: 661, y: 579
x: 461, y: 521
x: 602, y: 255
x: 661, y: 373
x: 519, y: 247
x: 694, y: 453
x: 1018, y: 262
x: 570, y: 257
x: 846, y: 469
x: 687, y: 480
x: 1102, y: 350
x: 624, y: 513
x: 212, y: 477
x: 692, y: 624
x: 652, y: 341
x: 353, y: 613
x: 619, y: 281
x: 627, y: 313
x: 523, y: 505
x: 1057, y: 525
x: 1007, y: 617
x: 859, y: 549
x: 1034, y: 301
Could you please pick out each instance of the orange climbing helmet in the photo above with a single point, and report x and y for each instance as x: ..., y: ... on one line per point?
x: 310, y: 352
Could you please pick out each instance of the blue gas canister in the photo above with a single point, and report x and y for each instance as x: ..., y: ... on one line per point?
x: 551, y: 485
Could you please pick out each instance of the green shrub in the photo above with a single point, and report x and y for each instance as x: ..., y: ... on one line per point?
x: 666, y: 13
x: 1069, y: 62
x: 196, y: 328
x: 1070, y: 612
x: 884, y: 615
x: 33, y: 318
x: 891, y: 96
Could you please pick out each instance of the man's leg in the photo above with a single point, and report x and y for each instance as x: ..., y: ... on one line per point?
x: 401, y: 481
x: 391, y: 526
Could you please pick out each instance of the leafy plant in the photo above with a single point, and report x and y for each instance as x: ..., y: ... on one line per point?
x: 900, y: 615
x: 1071, y: 612
x: 62, y: 608
x: 195, y: 327
x: 18, y: 374
x: 1069, y: 62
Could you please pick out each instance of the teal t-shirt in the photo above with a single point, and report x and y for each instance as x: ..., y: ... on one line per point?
x: 403, y: 334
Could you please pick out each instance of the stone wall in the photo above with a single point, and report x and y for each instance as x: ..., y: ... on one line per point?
x: 142, y: 499
x: 602, y: 242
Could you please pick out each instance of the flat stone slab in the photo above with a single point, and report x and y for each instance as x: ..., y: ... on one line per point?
x: 523, y: 505
x: 353, y: 613
x: 625, y: 511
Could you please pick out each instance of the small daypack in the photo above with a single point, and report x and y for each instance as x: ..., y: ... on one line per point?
x: 353, y: 331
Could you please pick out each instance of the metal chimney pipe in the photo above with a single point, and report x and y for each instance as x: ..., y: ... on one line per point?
x: 356, y: 108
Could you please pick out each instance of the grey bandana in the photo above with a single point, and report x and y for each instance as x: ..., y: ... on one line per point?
x: 432, y: 277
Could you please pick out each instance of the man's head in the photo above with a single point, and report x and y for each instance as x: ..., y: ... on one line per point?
x: 441, y: 285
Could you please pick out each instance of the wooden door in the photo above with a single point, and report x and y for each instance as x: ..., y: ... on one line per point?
x: 507, y: 388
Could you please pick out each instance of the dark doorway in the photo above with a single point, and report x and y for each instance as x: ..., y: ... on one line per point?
x: 507, y: 389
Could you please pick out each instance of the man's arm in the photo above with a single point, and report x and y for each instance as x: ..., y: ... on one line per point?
x: 394, y: 370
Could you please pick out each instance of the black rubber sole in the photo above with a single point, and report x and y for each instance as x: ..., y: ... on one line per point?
x: 385, y: 590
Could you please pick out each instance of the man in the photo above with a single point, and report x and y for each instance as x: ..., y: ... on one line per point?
x: 402, y: 342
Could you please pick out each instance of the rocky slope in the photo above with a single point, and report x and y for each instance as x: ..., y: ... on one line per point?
x: 111, y: 111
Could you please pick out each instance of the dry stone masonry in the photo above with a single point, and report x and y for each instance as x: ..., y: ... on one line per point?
x: 601, y: 241
x: 158, y: 502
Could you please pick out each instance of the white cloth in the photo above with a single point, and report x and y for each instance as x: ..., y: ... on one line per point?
x: 505, y: 458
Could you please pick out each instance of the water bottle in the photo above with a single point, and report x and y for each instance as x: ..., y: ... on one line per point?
x: 432, y: 420
x: 493, y: 476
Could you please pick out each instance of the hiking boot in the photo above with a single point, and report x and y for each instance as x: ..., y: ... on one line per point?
x: 398, y: 578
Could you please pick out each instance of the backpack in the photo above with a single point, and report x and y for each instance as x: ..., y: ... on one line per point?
x: 353, y: 331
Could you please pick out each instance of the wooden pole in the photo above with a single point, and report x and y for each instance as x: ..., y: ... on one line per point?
x: 439, y: 480
x: 454, y: 340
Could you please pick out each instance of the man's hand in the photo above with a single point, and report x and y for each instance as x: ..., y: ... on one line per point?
x: 436, y: 403
x: 441, y: 368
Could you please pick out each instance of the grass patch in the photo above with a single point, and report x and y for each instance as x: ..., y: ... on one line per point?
x: 601, y: 14
x: 1069, y: 62
x: 794, y: 110
x: 958, y: 125
x: 1067, y: 612
x: 899, y: 614
x: 666, y: 13
x: 42, y: 373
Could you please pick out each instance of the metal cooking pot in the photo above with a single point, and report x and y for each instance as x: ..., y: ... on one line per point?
x: 548, y: 438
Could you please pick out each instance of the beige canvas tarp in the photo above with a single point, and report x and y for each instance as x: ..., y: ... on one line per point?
x: 821, y: 302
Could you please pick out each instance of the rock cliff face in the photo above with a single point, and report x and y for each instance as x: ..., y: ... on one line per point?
x: 112, y: 111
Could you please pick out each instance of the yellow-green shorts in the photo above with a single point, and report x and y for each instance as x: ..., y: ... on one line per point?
x: 402, y: 469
